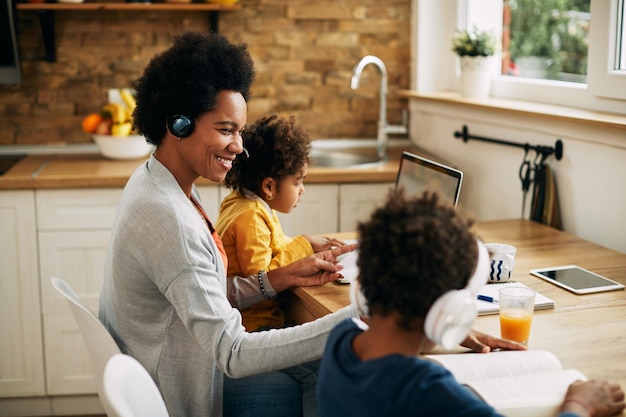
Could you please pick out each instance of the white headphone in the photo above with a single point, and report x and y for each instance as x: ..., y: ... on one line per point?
x: 450, y: 318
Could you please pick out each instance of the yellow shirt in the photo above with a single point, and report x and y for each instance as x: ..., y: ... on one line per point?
x: 254, y: 241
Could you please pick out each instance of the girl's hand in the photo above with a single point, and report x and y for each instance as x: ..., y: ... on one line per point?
x: 317, y: 269
x: 322, y: 243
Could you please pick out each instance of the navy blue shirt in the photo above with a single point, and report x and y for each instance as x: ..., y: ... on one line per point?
x: 395, y: 385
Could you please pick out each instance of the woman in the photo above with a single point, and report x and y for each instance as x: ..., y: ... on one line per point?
x: 165, y: 297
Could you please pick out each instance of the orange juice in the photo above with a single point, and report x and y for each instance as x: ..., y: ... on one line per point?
x: 515, y: 325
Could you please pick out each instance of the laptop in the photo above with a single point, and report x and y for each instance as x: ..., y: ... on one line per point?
x: 417, y: 174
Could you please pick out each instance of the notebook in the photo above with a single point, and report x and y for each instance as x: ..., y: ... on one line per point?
x: 416, y: 174
x: 491, y: 291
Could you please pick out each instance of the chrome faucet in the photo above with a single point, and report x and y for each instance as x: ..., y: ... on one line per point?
x: 383, y: 127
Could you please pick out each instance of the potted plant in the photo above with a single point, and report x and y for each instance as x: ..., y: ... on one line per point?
x: 476, y: 49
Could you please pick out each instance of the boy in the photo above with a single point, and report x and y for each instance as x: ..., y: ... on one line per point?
x: 416, y: 255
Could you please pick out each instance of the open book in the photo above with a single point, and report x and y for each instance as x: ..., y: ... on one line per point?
x: 350, y: 269
x: 529, y: 383
x: 491, y: 291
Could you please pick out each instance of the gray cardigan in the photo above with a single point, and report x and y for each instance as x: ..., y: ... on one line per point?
x: 165, y: 299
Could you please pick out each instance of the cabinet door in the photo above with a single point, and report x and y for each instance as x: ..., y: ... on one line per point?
x: 211, y: 196
x: 78, y: 209
x: 315, y: 214
x: 21, y: 353
x: 77, y: 257
x: 74, y: 232
x: 357, y: 201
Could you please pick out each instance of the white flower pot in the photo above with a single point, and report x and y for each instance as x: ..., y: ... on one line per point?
x: 476, y: 74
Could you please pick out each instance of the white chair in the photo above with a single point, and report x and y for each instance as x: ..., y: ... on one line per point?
x: 100, y: 343
x: 130, y: 390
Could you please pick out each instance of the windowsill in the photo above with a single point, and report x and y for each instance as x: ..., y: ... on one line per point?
x: 513, y: 107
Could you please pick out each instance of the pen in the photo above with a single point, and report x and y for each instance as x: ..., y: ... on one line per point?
x: 487, y: 298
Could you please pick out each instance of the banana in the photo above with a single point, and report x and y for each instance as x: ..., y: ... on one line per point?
x: 129, y: 115
x: 128, y: 98
x: 117, y: 112
x: 121, y: 129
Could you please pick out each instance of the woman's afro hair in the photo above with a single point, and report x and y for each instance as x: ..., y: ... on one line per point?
x: 186, y: 79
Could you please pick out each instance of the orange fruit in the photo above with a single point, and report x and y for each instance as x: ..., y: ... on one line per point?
x: 91, y: 122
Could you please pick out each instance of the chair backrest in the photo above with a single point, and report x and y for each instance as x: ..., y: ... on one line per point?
x: 100, y: 343
x: 130, y: 390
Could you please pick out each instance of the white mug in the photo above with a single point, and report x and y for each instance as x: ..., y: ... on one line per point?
x: 502, y: 261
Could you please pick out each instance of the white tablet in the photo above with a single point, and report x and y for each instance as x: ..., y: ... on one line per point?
x: 576, y: 279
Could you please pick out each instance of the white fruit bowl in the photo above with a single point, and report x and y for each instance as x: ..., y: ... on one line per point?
x: 122, y: 147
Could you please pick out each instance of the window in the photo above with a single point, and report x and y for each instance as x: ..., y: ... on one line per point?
x: 603, y: 88
x: 546, y: 39
x: 607, y: 72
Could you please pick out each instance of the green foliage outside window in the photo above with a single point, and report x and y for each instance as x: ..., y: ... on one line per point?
x: 556, y: 30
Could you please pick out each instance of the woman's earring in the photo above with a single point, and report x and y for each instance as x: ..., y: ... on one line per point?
x: 268, y: 197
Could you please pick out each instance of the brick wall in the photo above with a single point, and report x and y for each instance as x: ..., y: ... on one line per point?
x: 304, y: 52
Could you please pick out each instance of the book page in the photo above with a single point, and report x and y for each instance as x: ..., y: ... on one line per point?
x: 531, y: 395
x: 468, y: 367
x: 350, y: 269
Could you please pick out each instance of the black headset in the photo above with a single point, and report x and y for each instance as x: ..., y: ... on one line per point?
x: 180, y: 126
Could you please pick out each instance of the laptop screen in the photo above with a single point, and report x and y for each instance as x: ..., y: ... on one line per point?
x: 417, y: 174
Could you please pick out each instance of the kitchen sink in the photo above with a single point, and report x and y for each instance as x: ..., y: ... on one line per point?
x: 334, y: 158
x: 7, y: 161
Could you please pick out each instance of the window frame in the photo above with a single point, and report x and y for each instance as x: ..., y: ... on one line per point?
x: 604, y: 80
x: 437, y: 67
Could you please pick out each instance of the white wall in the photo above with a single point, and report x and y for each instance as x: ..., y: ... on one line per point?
x: 591, y: 176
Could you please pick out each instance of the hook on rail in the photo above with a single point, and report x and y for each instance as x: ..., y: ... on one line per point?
x: 544, y: 205
x: 544, y: 151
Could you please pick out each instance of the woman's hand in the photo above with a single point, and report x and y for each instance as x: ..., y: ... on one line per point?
x: 322, y: 243
x: 483, y: 343
x: 317, y: 269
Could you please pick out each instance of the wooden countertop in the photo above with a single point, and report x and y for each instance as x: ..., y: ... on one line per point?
x: 95, y: 171
x: 586, y: 332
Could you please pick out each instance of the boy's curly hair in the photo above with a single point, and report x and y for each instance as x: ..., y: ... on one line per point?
x: 277, y: 148
x: 186, y: 79
x: 411, y: 251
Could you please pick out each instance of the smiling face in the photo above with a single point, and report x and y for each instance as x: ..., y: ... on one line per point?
x: 285, y: 193
x: 212, y: 146
x: 216, y: 140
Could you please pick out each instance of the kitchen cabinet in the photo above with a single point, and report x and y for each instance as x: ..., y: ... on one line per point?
x: 21, y: 349
x: 357, y: 201
x: 74, y: 228
x: 316, y: 213
x: 211, y: 197
x: 330, y: 208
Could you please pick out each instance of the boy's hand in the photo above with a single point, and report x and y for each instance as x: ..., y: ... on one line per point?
x: 483, y: 343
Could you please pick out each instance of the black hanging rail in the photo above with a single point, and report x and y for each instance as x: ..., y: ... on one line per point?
x: 544, y: 151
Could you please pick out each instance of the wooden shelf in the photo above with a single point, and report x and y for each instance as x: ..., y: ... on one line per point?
x: 46, y: 14
x: 199, y: 7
